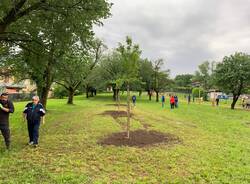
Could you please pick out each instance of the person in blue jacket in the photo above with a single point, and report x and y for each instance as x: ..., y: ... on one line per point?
x: 162, y: 100
x: 32, y: 113
x: 134, y: 99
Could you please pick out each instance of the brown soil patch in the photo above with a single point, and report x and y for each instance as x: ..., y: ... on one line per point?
x: 116, y: 114
x: 140, y: 138
x: 146, y: 126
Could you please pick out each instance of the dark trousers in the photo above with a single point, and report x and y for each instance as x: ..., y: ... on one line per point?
x: 33, y: 129
x: 176, y: 104
x: 172, y: 105
x: 6, y: 134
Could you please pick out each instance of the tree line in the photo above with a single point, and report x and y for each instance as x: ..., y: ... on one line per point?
x: 231, y: 75
x: 52, y: 42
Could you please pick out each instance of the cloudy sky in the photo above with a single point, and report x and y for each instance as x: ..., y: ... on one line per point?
x: 182, y: 32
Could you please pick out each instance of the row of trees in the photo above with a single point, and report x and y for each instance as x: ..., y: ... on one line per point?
x: 47, y: 41
x: 231, y: 76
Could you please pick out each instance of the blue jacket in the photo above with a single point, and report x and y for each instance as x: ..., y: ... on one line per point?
x: 34, y: 112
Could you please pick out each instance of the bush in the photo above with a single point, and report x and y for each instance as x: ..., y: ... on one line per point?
x: 195, y: 92
x: 59, y: 92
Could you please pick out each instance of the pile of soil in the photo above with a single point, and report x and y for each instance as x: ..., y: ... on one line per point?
x: 116, y: 114
x: 140, y: 138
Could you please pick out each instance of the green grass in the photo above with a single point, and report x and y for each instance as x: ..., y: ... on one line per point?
x: 215, y: 145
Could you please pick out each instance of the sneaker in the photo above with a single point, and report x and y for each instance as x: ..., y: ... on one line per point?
x: 30, y: 143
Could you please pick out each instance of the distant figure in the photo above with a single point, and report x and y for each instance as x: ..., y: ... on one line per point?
x: 243, y: 102
x: 162, y: 100
x: 217, y: 101
x: 189, y: 99
x: 176, y: 101
x: 172, y: 101
x: 134, y: 99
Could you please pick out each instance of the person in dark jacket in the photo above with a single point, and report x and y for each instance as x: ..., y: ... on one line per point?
x: 217, y: 100
x: 176, y: 101
x: 6, y: 107
x: 134, y: 99
x: 162, y: 100
x: 189, y: 99
x: 32, y: 113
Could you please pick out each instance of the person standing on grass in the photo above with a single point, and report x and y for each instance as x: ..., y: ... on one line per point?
x: 217, y: 100
x: 134, y: 99
x: 172, y: 101
x: 6, y: 107
x: 189, y: 99
x: 32, y: 113
x: 162, y: 100
x: 176, y: 101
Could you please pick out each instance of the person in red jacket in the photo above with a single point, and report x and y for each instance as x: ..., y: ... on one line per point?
x: 172, y: 102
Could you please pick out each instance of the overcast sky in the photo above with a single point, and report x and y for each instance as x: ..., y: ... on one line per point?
x: 182, y: 32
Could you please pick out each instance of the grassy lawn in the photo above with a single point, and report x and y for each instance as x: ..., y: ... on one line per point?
x: 215, y: 146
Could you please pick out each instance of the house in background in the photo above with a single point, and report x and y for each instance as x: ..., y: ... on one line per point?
x: 8, y: 84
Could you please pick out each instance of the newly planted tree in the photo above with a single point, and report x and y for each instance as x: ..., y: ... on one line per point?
x: 129, y: 58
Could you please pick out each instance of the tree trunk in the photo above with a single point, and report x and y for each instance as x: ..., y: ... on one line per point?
x: 115, y: 92
x: 149, y: 95
x: 87, y: 91
x: 128, y: 111
x: 71, y: 92
x: 235, y: 99
x: 117, y: 99
x: 43, y: 92
x: 157, y: 96
x: 140, y: 92
x: 2, y: 28
x: 43, y: 87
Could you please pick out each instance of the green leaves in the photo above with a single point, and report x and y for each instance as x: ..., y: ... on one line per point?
x: 129, y: 55
x: 233, y: 75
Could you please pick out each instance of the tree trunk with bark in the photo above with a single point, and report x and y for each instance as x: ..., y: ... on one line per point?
x: 157, y: 96
x: 71, y: 92
x: 87, y: 91
x: 235, y: 99
x: 149, y: 95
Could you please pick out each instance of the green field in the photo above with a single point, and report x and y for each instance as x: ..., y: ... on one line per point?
x: 214, y: 147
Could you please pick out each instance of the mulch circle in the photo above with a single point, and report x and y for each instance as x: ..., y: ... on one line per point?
x: 116, y: 114
x: 140, y: 138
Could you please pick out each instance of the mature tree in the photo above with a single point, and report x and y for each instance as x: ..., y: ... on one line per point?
x: 111, y: 71
x: 146, y: 72
x: 75, y: 67
x: 18, y: 13
x: 129, y: 57
x: 54, y: 32
x: 203, y: 75
x: 160, y: 78
x: 71, y: 72
x: 96, y: 53
x: 232, y: 75
x: 184, y: 80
